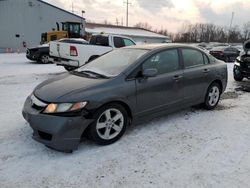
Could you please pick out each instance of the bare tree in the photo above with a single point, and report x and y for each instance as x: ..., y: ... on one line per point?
x: 144, y: 25
x: 246, y: 30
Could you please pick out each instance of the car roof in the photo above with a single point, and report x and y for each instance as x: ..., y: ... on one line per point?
x: 161, y: 46
x: 223, y: 47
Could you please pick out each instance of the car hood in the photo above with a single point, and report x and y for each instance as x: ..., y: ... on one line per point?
x: 63, y: 87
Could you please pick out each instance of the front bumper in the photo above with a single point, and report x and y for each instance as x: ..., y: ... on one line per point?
x: 32, y: 57
x: 245, y: 72
x: 60, y: 133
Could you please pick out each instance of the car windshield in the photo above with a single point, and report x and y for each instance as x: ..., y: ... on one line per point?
x: 112, y: 63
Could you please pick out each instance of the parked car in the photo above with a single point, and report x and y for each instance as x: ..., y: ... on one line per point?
x: 227, y: 54
x: 102, y: 98
x: 41, y: 53
x: 239, y: 47
x: 242, y: 64
x: 72, y: 56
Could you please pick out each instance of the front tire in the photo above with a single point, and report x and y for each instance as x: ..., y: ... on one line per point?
x: 237, y: 75
x: 212, y: 96
x: 44, y: 59
x: 110, y: 124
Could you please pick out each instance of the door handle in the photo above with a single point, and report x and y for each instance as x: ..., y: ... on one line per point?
x: 177, y: 77
x: 206, y: 70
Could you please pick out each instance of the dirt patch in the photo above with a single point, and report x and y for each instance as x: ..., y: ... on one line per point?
x: 229, y: 95
x: 224, y: 107
x: 243, y: 88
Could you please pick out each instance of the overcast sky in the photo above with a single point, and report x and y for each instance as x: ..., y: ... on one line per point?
x: 166, y: 14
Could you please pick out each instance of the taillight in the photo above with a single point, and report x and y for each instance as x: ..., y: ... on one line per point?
x: 221, y: 53
x: 73, y: 51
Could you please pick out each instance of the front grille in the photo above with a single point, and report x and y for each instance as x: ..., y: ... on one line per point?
x: 37, y: 107
x: 45, y: 136
x: 246, y: 59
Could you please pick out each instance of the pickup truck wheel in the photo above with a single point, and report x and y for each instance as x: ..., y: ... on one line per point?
x: 69, y: 68
x: 44, y: 59
x: 110, y: 124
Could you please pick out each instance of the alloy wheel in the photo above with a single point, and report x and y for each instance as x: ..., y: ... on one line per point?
x: 109, y: 124
x: 213, y: 96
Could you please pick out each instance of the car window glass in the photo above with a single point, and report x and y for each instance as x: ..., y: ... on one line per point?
x: 128, y: 42
x: 118, y: 42
x: 192, y: 58
x: 164, y: 62
x: 206, y: 60
x: 102, y: 41
x: 113, y: 63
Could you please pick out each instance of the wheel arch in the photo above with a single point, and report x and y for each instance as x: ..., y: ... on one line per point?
x: 218, y: 81
x: 92, y: 58
x: 122, y: 103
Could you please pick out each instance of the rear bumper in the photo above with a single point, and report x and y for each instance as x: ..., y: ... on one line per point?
x: 60, y: 133
x: 64, y: 62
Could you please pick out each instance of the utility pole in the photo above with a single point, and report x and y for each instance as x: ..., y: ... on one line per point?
x: 230, y: 26
x: 127, y: 4
x: 117, y: 21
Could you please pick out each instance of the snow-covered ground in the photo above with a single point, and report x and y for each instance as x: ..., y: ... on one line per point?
x: 190, y: 148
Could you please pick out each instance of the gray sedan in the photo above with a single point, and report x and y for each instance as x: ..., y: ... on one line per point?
x: 102, y: 98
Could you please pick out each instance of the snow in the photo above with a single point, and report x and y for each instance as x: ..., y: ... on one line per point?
x: 124, y: 31
x: 190, y: 148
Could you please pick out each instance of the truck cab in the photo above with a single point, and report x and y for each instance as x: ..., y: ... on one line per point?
x: 68, y: 30
x: 72, y: 56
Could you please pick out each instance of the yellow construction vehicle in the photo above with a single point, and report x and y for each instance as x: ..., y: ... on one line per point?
x: 69, y: 30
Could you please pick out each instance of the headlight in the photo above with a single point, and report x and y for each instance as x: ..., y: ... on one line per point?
x: 238, y: 58
x: 64, y: 107
x: 237, y: 61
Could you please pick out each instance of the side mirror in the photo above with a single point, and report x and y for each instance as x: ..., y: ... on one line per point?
x: 150, y: 72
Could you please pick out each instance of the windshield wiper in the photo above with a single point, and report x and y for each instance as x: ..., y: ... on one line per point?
x: 89, y: 73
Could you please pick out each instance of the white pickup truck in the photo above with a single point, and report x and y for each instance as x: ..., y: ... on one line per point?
x: 72, y: 55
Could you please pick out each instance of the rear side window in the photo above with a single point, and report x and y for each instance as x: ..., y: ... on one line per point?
x: 192, y: 58
x: 99, y: 40
x: 128, y: 42
x: 118, y: 42
x: 165, y: 61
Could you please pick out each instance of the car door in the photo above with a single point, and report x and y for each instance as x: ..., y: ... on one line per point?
x: 197, y: 72
x: 118, y: 42
x: 164, y: 90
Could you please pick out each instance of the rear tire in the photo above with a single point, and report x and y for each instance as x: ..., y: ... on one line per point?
x: 67, y: 68
x: 110, y: 124
x: 212, y: 96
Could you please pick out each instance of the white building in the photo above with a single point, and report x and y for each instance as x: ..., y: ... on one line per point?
x: 137, y: 34
x: 23, y: 21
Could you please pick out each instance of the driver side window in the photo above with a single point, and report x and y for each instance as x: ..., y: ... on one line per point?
x: 165, y: 62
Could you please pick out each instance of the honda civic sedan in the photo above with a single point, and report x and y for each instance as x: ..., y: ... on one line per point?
x: 102, y: 98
